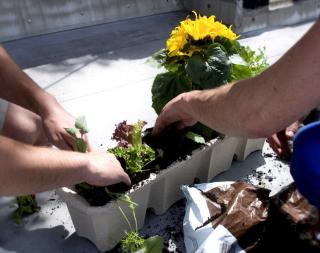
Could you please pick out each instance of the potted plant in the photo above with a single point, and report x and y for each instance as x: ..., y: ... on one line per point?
x: 201, y: 54
x: 158, y: 166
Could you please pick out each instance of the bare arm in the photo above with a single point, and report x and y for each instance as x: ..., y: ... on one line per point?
x: 260, y: 106
x: 26, y: 169
x: 18, y: 88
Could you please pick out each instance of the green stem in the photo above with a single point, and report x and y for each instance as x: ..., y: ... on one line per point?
x: 125, y: 217
x: 150, y: 162
x: 135, y: 220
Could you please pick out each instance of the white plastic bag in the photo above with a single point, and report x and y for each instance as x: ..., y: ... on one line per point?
x: 202, y: 230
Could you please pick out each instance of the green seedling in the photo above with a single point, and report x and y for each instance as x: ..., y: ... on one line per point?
x: 133, y: 241
x: 25, y: 205
x: 77, y: 132
x: 195, y: 137
x: 130, y: 147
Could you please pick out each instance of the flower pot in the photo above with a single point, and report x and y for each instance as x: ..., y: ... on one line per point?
x: 105, y: 226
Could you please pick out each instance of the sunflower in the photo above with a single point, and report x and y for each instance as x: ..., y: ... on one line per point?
x: 201, y: 28
x: 177, y: 41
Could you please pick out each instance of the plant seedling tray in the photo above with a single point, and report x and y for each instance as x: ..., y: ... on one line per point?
x: 105, y: 226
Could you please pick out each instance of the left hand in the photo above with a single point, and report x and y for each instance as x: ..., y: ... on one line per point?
x: 54, y: 121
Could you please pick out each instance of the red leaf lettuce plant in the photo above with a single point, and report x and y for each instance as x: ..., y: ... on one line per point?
x: 130, y: 147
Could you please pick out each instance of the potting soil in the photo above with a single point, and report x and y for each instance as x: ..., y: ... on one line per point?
x: 238, y: 217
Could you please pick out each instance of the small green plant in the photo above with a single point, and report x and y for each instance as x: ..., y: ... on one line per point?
x: 80, y: 128
x: 25, y: 205
x: 133, y: 241
x: 136, y: 157
x: 78, y: 131
x: 130, y: 147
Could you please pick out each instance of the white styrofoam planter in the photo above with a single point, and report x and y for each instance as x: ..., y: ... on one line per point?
x: 249, y: 146
x: 105, y: 226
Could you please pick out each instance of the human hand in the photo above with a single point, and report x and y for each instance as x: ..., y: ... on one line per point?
x: 280, y: 142
x: 175, y: 111
x: 104, y: 169
x: 54, y: 120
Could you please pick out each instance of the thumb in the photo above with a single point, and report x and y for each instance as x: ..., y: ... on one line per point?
x: 126, y: 179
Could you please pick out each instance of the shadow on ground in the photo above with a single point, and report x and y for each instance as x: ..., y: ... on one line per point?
x: 100, y: 40
x: 49, y: 240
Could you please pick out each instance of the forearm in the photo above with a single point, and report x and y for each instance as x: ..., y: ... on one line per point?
x: 265, y: 104
x: 17, y: 87
x: 25, y: 169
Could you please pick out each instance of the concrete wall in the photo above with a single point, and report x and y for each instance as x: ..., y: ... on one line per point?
x: 246, y: 20
x: 21, y: 18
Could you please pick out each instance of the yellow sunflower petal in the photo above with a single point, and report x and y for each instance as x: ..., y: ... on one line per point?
x: 200, y: 28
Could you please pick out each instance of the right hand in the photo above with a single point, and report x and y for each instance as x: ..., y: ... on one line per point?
x: 104, y: 169
x: 175, y: 112
x: 279, y: 142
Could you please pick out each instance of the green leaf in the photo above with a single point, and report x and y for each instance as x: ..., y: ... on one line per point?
x: 160, y: 56
x: 81, y: 124
x: 255, y: 61
x: 229, y: 46
x: 196, y: 68
x: 195, y: 137
x: 210, y: 71
x: 240, y: 72
x: 72, y: 131
x: 135, y: 157
x: 26, y: 205
x: 136, y: 135
x: 81, y: 145
x: 172, y: 64
x: 166, y: 86
x: 132, y: 242
x: 207, y: 132
x: 152, y: 245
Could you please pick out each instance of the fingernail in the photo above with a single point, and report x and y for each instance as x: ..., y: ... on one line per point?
x: 290, y: 133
